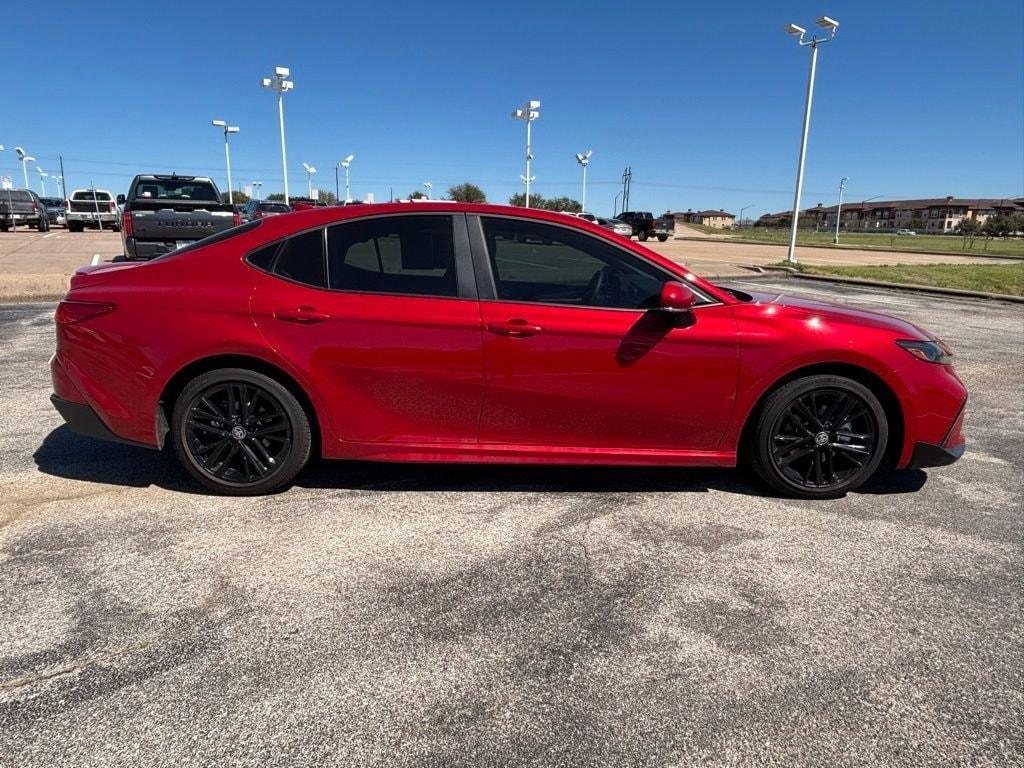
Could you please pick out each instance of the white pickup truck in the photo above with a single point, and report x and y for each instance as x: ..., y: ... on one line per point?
x: 91, y: 208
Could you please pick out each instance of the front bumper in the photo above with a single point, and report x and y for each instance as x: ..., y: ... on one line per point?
x: 928, y: 455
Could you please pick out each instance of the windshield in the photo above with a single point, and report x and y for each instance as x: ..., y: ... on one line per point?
x: 174, y: 189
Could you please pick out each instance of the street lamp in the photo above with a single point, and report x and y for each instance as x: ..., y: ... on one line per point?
x: 839, y: 208
x: 59, y: 181
x: 310, y: 170
x: 25, y: 160
x: 528, y: 113
x: 256, y: 189
x: 830, y: 25
x: 583, y: 158
x: 280, y: 83
x: 428, y: 186
x: 345, y: 164
x: 42, y: 175
x: 227, y: 153
x: 749, y: 205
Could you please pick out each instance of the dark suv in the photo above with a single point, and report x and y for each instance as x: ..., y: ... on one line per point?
x: 257, y: 209
x: 22, y: 206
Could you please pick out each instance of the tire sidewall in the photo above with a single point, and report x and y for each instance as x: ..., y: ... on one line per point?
x: 778, y: 401
x: 301, y: 433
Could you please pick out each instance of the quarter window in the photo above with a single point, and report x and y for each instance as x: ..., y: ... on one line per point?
x: 302, y: 259
x: 393, y: 254
x: 556, y: 265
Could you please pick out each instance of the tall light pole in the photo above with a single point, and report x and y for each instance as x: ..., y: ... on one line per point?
x: 345, y: 164
x: 310, y: 170
x: 428, y: 186
x: 256, y: 189
x: 528, y: 113
x: 42, y: 184
x: 280, y: 83
x: 59, y: 181
x: 839, y: 208
x: 25, y: 160
x: 227, y: 153
x: 583, y: 158
x: 749, y: 205
x: 831, y: 25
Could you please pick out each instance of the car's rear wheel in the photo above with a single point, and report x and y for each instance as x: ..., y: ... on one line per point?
x: 662, y: 238
x: 643, y: 237
x: 239, y: 432
x: 75, y: 226
x: 43, y: 225
x: 819, y: 437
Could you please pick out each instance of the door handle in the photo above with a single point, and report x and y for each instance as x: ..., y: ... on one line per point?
x: 301, y: 315
x: 516, y: 328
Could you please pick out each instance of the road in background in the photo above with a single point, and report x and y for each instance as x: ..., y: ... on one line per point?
x: 462, y: 615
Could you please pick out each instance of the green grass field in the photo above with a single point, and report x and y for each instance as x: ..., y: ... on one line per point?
x: 991, y: 278
x: 1005, y: 246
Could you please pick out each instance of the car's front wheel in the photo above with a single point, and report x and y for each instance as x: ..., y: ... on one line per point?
x: 239, y: 432
x: 820, y: 436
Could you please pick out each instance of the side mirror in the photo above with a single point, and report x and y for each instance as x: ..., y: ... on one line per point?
x: 676, y: 297
x: 120, y: 199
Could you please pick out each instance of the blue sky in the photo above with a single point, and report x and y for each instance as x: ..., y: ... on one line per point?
x: 915, y: 98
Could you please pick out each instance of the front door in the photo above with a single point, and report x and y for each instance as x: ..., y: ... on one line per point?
x: 575, y: 356
x: 374, y: 311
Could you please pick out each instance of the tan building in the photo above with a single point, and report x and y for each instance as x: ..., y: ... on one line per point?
x: 718, y: 219
x: 937, y: 215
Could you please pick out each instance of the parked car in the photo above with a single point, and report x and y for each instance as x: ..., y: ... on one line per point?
x: 22, y: 207
x: 55, y: 209
x: 478, y: 333
x: 90, y: 208
x: 163, y: 213
x: 905, y: 232
x: 646, y: 226
x: 617, y: 226
x: 587, y: 217
x: 257, y: 209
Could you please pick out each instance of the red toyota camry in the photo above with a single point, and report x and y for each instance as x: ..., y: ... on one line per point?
x: 475, y: 333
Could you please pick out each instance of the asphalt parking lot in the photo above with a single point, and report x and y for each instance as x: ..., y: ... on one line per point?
x: 443, y: 615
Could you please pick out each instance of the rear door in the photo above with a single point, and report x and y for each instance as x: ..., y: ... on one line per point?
x: 381, y: 313
x: 576, y: 357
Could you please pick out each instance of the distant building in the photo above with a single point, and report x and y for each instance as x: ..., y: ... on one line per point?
x: 938, y: 215
x: 718, y: 219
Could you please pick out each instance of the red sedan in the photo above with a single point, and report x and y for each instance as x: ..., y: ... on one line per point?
x: 475, y: 333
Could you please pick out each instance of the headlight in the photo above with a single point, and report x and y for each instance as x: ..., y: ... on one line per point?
x: 929, y: 351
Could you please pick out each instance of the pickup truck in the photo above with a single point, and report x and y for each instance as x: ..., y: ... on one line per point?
x: 646, y: 226
x: 163, y: 213
x: 22, y: 206
x: 91, y: 208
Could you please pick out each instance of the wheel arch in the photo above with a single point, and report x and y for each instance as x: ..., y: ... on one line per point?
x: 890, y: 401
x: 179, y: 380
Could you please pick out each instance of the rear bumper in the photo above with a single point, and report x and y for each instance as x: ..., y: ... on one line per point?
x: 83, y: 420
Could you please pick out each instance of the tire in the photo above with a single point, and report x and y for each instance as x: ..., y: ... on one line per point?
x: 643, y: 237
x: 221, y: 448
x: 43, y: 225
x: 819, y: 437
x: 4, y: 227
x: 662, y: 238
x: 75, y: 226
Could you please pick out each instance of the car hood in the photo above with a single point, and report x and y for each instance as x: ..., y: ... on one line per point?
x: 842, y: 313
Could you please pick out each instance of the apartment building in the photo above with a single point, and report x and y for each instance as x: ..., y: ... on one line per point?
x: 936, y: 215
x: 719, y: 219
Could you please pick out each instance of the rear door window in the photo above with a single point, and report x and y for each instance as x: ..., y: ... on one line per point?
x: 301, y: 259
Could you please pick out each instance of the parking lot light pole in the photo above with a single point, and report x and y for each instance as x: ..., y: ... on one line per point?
x: 428, y: 186
x: 42, y: 183
x: 59, y: 181
x: 310, y: 170
x: 25, y: 160
x: 749, y: 205
x: 345, y: 164
x: 280, y: 84
x: 839, y: 208
x: 583, y: 158
x: 227, y: 153
x: 256, y: 189
x: 831, y: 25
x: 528, y: 113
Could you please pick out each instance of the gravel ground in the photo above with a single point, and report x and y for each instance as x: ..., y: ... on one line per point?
x: 445, y: 615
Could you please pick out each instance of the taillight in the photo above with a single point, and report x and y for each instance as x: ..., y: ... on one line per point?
x: 236, y: 218
x: 35, y: 206
x: 126, y: 223
x: 69, y: 311
x: 113, y: 207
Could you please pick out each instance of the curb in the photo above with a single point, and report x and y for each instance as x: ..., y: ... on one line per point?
x: 914, y: 287
x: 841, y: 248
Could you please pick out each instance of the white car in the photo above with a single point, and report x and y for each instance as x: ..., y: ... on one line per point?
x: 91, y: 208
x: 905, y: 232
x: 616, y: 226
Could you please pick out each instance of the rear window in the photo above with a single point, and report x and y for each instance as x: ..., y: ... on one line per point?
x: 103, y: 197
x: 16, y: 194
x: 275, y: 207
x: 174, y: 189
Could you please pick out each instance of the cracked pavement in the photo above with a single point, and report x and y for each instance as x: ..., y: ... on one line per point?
x: 397, y: 615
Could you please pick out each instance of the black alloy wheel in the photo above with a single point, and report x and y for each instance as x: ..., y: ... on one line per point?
x: 820, y: 436
x: 240, y: 432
